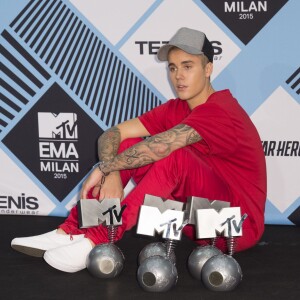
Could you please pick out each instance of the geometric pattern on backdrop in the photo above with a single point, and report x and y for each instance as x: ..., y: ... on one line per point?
x: 238, y: 15
x: 141, y: 45
x: 281, y: 146
x: 53, y: 48
x: 59, y: 133
x: 55, y: 63
x: 294, y: 81
x: 83, y: 61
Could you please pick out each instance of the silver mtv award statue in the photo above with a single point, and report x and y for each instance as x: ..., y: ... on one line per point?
x: 195, y: 203
x: 105, y: 260
x: 92, y: 212
x: 218, y: 271
x: 157, y: 271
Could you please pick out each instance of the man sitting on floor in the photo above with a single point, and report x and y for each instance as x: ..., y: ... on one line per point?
x: 201, y: 144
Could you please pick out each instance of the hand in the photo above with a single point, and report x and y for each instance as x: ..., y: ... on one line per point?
x: 112, y: 187
x: 93, y: 181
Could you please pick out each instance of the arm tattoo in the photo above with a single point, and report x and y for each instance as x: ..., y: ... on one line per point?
x: 153, y: 148
x: 193, y: 137
x: 108, y: 144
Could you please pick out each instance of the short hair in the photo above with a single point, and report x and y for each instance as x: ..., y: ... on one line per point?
x: 204, y: 58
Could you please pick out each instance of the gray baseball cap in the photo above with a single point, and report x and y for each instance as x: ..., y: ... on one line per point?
x: 189, y: 40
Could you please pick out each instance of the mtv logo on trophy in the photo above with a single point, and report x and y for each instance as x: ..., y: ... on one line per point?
x: 213, y: 220
x: 161, y: 216
x: 157, y: 271
x: 92, y: 212
x: 105, y: 260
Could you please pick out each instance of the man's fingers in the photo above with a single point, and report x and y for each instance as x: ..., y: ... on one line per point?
x: 96, y: 191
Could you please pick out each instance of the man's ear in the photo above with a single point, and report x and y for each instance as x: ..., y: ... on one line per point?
x: 209, y: 69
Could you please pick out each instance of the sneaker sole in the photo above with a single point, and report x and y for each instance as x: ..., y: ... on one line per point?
x: 29, y: 251
x: 59, y: 266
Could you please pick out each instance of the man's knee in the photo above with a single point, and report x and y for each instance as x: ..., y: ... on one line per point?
x: 177, y: 157
x: 175, y: 163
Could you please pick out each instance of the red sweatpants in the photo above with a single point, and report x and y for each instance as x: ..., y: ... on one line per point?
x: 178, y: 176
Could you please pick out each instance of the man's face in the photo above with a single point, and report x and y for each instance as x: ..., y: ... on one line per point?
x: 188, y: 76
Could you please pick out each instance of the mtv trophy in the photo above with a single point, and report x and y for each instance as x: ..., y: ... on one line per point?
x: 218, y: 271
x: 105, y: 260
x: 157, y: 271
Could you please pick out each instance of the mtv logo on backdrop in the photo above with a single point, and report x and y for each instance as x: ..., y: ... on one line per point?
x: 58, y: 142
x: 58, y: 133
x: 57, y: 126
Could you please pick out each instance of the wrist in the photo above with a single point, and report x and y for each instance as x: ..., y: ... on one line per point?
x: 101, y: 165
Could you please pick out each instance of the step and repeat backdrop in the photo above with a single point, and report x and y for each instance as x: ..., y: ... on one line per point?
x: 72, y: 69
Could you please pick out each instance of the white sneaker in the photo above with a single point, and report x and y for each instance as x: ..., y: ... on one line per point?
x: 70, y: 258
x: 38, y: 244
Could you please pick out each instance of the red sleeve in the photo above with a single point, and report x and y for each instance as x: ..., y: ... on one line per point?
x: 155, y: 119
x: 215, y: 127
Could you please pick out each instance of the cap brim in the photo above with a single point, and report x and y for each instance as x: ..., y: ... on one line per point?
x: 163, y: 51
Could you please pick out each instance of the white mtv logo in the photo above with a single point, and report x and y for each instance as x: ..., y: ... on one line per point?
x: 161, y: 216
x: 61, y: 126
x: 152, y: 220
x: 211, y: 223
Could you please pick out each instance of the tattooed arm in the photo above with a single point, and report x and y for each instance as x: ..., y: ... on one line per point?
x: 148, y: 151
x: 109, y: 141
x: 153, y: 148
x: 108, y: 145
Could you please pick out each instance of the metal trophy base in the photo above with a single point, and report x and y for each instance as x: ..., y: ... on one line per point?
x: 157, y: 274
x: 221, y: 273
x: 153, y: 249
x: 105, y: 261
x: 199, y: 256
